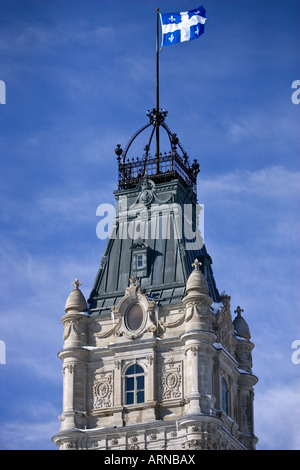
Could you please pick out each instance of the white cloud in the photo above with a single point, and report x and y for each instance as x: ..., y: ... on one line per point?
x: 256, y: 209
x: 34, y: 290
x: 19, y: 36
x: 243, y: 128
x: 274, y: 182
x: 277, y: 412
x: 28, y: 434
x: 251, y: 229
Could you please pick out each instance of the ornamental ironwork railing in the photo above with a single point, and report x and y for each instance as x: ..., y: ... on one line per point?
x: 166, y: 168
x: 160, y: 168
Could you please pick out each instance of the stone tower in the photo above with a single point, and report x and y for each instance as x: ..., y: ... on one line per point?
x: 153, y: 359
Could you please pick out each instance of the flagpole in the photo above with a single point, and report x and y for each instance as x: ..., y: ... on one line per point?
x: 157, y: 91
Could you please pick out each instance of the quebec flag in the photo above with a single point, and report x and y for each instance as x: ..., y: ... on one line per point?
x: 184, y: 26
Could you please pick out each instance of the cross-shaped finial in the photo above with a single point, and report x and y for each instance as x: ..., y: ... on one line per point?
x: 196, y: 264
x: 76, y: 283
x: 239, y: 310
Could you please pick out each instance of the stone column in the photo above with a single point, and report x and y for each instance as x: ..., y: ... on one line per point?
x: 118, y: 386
x: 192, y: 377
x: 67, y: 418
x: 150, y: 388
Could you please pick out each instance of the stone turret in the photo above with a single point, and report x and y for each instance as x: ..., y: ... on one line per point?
x: 243, y: 355
x: 74, y: 358
x: 241, y: 327
x: 244, y: 346
x: 199, y: 342
x: 197, y: 300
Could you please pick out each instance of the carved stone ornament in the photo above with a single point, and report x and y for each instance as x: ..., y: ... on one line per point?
x: 93, y: 444
x: 68, y: 368
x: 70, y: 445
x: 145, y: 309
x: 194, y: 350
x: 147, y: 194
x: 172, y: 380
x: 193, y: 444
x: 76, y: 283
x: 95, y: 327
x: 102, y: 390
x: 193, y: 309
x: 175, y: 321
x: 133, y: 447
x: 73, y: 327
x: 224, y: 327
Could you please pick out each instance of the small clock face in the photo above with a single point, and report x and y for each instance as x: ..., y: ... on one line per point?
x: 146, y: 196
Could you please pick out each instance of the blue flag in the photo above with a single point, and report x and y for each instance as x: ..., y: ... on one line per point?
x: 184, y: 26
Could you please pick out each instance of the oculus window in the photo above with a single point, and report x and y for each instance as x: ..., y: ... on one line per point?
x: 134, y: 317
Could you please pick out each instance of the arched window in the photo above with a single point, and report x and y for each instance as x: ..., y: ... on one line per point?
x: 224, y: 395
x: 134, y: 385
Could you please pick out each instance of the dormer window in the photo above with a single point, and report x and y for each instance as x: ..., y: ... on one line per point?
x: 139, y: 264
x: 140, y: 260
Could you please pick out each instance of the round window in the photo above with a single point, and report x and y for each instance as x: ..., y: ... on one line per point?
x: 134, y: 317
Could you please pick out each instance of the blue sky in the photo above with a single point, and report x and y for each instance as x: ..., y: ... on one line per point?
x: 79, y: 78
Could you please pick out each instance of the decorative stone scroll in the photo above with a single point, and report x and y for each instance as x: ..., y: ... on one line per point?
x: 74, y: 328
x: 133, y: 296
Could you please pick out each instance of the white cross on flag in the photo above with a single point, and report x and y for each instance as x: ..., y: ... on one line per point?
x: 184, y: 26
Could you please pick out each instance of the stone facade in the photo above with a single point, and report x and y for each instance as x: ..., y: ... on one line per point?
x: 194, y: 385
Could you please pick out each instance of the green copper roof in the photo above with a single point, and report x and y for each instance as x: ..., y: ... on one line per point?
x: 161, y: 260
